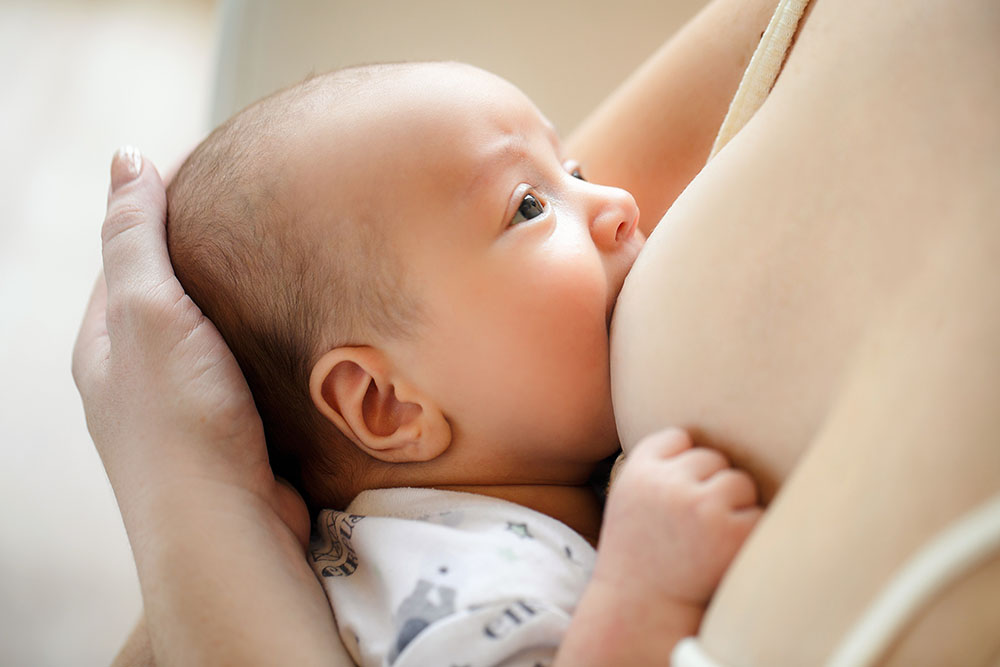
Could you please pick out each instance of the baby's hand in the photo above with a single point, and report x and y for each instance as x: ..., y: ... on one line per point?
x: 675, y: 518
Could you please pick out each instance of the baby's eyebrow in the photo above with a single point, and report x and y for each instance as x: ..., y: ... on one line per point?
x: 512, y: 149
x: 514, y: 146
x: 553, y: 135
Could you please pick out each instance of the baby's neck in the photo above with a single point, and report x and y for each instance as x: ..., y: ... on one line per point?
x: 576, y: 506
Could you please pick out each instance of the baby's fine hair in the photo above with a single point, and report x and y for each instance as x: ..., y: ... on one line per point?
x: 278, y: 300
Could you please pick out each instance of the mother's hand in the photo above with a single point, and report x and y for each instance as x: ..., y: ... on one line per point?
x: 164, y: 398
x: 218, y: 542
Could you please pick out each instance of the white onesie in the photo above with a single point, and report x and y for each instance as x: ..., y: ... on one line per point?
x: 420, y: 577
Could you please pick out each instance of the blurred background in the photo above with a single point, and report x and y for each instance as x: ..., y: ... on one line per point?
x: 80, y: 78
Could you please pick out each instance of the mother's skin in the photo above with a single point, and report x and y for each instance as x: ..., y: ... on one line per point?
x: 822, y: 303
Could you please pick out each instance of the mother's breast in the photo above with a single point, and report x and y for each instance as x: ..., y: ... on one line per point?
x: 737, y: 318
x: 745, y: 309
x: 823, y: 304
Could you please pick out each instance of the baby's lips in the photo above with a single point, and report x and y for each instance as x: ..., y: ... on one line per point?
x: 633, y: 253
x: 612, y: 302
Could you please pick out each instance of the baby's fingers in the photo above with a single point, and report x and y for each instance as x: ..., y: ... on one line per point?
x: 701, y: 463
x: 661, y: 445
x: 734, y: 487
x: 747, y: 519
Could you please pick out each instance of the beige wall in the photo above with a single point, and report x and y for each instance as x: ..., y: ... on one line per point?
x: 565, y: 54
x: 78, y: 79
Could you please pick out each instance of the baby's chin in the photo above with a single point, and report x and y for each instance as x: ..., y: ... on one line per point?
x: 609, y: 443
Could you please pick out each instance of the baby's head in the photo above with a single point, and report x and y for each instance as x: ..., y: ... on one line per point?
x: 415, y: 282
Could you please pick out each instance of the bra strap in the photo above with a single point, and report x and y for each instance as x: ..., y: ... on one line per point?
x: 762, y: 72
x: 951, y: 554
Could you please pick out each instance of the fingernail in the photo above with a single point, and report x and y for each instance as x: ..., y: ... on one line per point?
x: 125, y: 166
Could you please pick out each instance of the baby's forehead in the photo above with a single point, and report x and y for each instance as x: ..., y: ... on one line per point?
x: 409, y: 120
x: 421, y: 103
x: 402, y: 140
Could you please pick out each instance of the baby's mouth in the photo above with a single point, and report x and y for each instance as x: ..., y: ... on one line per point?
x: 613, y: 301
x: 619, y: 282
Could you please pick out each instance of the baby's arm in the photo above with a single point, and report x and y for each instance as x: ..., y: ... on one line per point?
x: 653, y: 134
x: 675, y: 518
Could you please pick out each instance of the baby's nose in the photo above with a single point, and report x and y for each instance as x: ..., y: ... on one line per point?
x: 615, y: 218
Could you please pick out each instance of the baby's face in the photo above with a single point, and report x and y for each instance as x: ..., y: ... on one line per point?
x: 515, y: 259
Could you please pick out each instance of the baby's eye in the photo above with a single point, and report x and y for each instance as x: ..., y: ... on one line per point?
x: 531, y: 207
x: 573, y: 167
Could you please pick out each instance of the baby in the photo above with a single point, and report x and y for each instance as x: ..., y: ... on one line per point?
x: 419, y: 287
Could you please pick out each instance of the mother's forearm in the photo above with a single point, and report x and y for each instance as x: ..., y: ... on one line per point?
x: 224, y: 581
x: 137, y: 650
x: 653, y: 134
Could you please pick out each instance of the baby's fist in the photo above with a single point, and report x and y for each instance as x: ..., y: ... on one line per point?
x: 676, y: 516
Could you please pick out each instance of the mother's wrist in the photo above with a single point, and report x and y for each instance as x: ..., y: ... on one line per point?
x: 171, y: 516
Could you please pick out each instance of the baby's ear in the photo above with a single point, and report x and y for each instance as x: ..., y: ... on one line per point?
x: 390, y: 420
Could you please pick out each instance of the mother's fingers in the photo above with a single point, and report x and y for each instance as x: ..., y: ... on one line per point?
x: 92, y: 345
x: 134, y: 232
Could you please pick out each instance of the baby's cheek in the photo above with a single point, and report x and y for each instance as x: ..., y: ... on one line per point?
x: 580, y: 359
